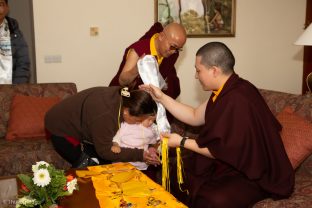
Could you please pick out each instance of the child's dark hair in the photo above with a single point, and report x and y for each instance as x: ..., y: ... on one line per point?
x: 6, y: 1
x: 140, y: 103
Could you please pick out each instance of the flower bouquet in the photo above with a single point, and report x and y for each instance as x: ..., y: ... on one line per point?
x: 45, y: 186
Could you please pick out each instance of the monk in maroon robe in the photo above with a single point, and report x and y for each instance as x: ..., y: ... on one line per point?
x: 164, y: 44
x: 239, y: 158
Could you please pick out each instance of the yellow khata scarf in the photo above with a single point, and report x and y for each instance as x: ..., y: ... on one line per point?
x: 165, y: 166
x: 122, y: 185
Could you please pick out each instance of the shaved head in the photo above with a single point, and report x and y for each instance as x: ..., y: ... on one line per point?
x: 176, y: 32
x: 217, y: 54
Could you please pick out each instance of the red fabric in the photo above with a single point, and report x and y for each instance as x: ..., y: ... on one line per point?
x: 72, y: 140
x: 156, y: 28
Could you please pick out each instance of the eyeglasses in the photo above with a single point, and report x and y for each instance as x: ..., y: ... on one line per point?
x: 174, y: 48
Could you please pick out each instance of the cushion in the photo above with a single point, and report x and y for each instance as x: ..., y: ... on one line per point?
x: 296, y: 136
x: 27, y: 116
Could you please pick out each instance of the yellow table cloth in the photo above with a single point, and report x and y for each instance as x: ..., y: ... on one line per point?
x: 121, y: 185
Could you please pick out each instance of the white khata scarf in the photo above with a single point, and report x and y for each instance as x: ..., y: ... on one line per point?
x: 149, y: 73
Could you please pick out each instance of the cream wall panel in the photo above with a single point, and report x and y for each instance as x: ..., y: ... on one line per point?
x: 263, y: 45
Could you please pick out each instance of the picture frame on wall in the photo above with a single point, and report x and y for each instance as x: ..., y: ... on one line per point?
x: 200, y: 18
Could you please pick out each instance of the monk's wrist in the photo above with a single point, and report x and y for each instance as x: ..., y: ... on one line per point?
x: 182, y: 142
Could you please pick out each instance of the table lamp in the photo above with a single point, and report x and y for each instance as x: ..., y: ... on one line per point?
x: 306, y: 37
x: 306, y: 40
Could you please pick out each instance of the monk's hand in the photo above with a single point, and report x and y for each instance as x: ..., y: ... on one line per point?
x: 154, y: 91
x: 151, y: 157
x: 173, y: 139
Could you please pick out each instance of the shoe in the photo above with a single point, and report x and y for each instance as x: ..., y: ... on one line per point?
x: 84, y: 161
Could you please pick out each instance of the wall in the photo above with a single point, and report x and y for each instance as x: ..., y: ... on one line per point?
x: 263, y: 45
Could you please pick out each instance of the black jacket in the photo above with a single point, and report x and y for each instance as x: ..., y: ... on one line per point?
x: 20, y: 54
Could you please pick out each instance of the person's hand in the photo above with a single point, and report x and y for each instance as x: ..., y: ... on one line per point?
x: 173, y: 139
x: 153, y: 152
x: 115, y: 149
x: 151, y: 157
x: 155, y: 92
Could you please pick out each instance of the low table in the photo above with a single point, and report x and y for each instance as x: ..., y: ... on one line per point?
x: 101, y: 186
x: 82, y: 198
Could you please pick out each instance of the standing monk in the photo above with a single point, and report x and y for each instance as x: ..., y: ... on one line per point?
x: 239, y: 158
x: 164, y: 44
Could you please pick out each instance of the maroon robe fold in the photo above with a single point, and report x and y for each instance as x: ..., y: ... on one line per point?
x: 243, y: 135
x: 166, y: 68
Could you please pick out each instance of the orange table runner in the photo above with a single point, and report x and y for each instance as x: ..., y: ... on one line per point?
x: 121, y: 185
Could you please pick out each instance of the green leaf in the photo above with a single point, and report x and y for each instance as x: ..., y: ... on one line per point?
x: 26, y: 180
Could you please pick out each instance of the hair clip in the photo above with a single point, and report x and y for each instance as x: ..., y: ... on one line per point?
x: 125, y: 92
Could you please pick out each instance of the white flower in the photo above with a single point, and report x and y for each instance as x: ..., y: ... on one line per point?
x: 26, y: 201
x: 42, y: 177
x: 71, y: 185
x: 36, y: 167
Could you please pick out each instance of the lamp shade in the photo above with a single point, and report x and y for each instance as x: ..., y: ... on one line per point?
x: 306, y: 37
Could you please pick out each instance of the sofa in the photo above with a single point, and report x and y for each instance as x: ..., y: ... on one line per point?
x: 277, y: 102
x: 19, y: 154
x: 302, y: 105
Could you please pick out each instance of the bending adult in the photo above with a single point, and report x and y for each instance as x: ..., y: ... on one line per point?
x: 239, y: 158
x: 82, y: 126
x: 165, y: 44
